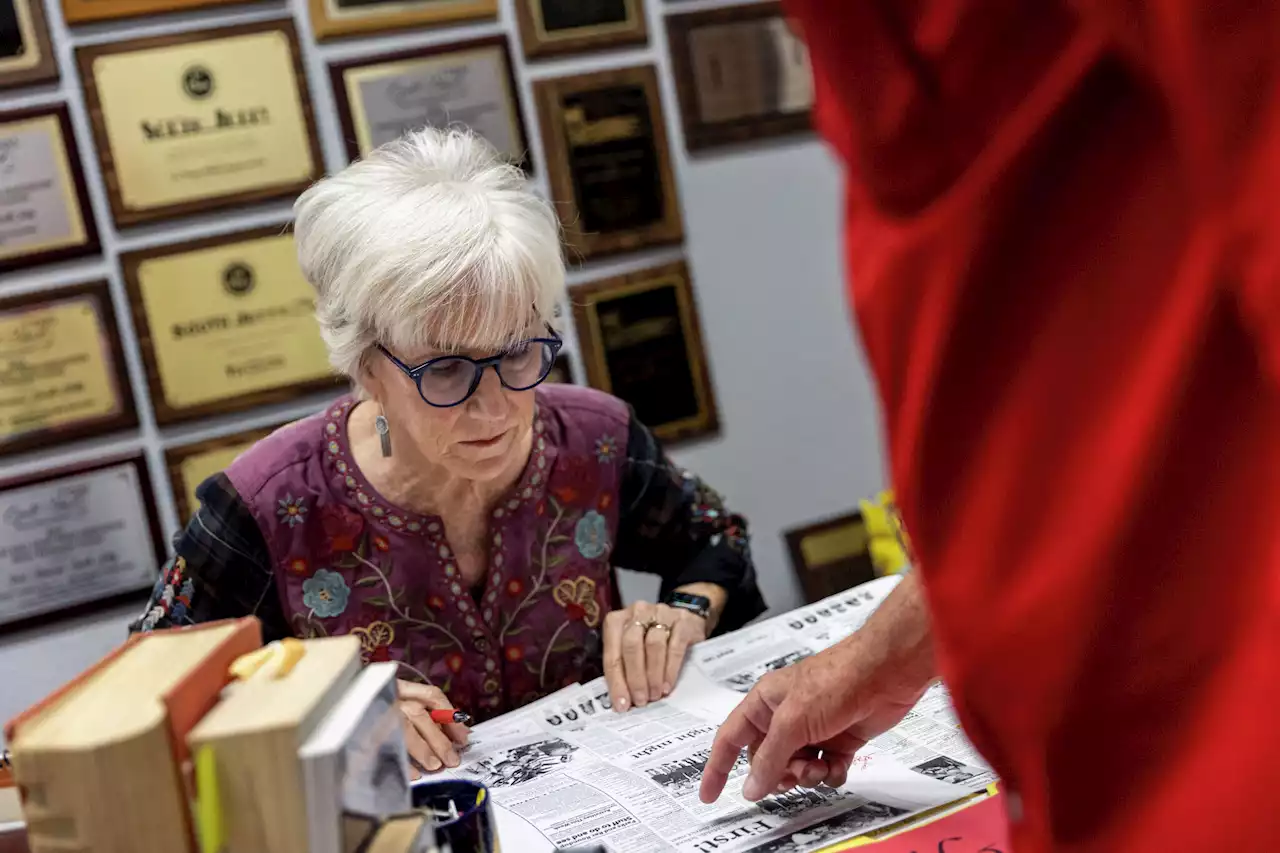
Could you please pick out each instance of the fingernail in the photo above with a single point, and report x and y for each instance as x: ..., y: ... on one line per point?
x: 752, y: 790
x: 451, y: 760
x: 666, y: 690
x: 621, y: 703
x: 642, y: 699
x: 432, y: 764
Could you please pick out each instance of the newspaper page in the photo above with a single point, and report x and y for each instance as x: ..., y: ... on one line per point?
x: 568, y: 772
x: 739, y: 659
x: 928, y: 740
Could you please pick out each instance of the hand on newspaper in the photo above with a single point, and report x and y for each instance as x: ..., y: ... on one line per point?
x: 802, y: 724
x: 644, y: 646
x: 431, y: 746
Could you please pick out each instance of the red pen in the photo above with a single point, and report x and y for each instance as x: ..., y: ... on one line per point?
x: 450, y: 715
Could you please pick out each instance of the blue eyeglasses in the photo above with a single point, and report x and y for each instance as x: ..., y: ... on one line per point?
x: 449, y: 380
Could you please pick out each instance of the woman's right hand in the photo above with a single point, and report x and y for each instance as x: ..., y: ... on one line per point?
x: 432, y: 747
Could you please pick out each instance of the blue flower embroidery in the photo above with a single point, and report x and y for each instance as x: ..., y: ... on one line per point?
x: 591, y: 535
x: 606, y: 448
x: 292, y: 510
x: 326, y: 593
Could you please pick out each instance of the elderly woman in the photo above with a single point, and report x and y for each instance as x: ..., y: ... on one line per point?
x: 457, y: 516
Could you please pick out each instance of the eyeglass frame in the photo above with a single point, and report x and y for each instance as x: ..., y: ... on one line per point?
x: 415, y: 373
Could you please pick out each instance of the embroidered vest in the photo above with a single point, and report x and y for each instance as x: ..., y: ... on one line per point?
x: 348, y: 562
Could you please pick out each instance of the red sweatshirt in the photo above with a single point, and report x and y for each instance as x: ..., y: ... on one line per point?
x: 1064, y: 251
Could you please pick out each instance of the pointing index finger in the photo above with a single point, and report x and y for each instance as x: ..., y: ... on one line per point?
x: 736, y: 734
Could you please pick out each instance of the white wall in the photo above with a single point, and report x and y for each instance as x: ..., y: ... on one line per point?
x: 800, y: 431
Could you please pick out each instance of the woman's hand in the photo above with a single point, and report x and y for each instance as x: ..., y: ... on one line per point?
x: 431, y: 746
x: 644, y: 646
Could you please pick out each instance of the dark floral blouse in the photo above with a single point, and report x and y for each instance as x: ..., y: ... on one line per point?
x: 668, y: 522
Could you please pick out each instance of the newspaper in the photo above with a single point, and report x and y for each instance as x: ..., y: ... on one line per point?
x: 738, y: 660
x: 569, y: 772
x: 928, y: 740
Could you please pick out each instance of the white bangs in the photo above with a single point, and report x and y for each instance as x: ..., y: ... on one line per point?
x: 431, y: 243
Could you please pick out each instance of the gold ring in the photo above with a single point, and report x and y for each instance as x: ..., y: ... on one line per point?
x: 661, y: 625
x: 644, y: 626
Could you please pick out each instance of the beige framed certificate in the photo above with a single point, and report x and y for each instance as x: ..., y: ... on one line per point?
x: 62, y: 373
x: 26, y: 53
x: 337, y: 18
x: 608, y: 164
x: 741, y: 74
x: 471, y: 83
x: 44, y: 203
x: 77, y: 539
x: 200, y: 120
x: 556, y: 27
x: 190, y: 465
x: 641, y: 341
x: 225, y: 324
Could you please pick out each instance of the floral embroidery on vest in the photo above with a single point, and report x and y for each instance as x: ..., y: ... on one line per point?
x: 578, y: 598
x: 349, y: 562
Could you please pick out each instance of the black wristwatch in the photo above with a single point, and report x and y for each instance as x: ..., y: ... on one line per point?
x: 698, y: 604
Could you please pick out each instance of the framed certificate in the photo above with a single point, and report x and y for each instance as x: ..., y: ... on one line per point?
x: 77, y: 539
x: 741, y: 74
x: 607, y: 160
x: 200, y: 120
x: 554, y: 27
x: 191, y: 464
x: 225, y: 324
x: 26, y: 53
x: 380, y: 98
x: 831, y: 555
x: 641, y: 341
x: 337, y: 18
x: 88, y: 11
x: 44, y: 204
x: 61, y: 368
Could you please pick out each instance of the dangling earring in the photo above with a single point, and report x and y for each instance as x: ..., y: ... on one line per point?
x: 384, y: 433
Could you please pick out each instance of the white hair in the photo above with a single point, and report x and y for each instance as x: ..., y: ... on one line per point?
x: 430, y: 240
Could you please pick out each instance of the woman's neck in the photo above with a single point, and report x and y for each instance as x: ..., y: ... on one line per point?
x: 413, y: 482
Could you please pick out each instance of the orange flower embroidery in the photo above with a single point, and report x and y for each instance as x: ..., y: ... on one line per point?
x: 578, y: 598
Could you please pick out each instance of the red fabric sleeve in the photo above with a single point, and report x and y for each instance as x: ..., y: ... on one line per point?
x: 1216, y: 64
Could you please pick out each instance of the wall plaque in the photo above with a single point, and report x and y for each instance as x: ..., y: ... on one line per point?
x: 44, y: 204
x: 607, y: 160
x: 88, y: 11
x: 62, y: 373
x: 336, y: 18
x: 225, y: 324
x: 191, y: 464
x: 201, y: 120
x: 380, y: 98
x: 830, y: 556
x: 26, y: 53
x: 554, y: 27
x: 641, y: 341
x: 741, y: 74
x: 77, y: 539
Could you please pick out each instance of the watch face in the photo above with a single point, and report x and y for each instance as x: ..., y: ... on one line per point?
x: 699, y: 604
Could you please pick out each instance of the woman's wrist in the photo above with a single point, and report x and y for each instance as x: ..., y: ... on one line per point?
x: 717, y: 597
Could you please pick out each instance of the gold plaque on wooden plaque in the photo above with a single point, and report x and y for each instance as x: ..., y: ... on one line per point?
x: 201, y: 120
x: 225, y: 324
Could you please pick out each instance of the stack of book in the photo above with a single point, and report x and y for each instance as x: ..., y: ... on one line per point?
x: 199, y: 740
